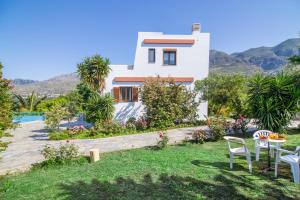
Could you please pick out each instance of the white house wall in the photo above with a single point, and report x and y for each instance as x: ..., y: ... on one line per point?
x: 192, y: 61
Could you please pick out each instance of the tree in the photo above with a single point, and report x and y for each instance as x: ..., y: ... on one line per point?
x: 55, y: 116
x: 81, y: 96
x: 273, y: 100
x: 167, y: 103
x: 48, y: 104
x: 5, y: 103
x: 30, y: 103
x: 226, y: 94
x: 93, y: 72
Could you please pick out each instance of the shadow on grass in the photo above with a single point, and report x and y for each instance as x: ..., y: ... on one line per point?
x: 166, y: 187
x: 275, y: 192
x: 223, y: 186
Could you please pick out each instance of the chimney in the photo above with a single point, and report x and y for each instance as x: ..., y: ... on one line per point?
x: 196, y: 28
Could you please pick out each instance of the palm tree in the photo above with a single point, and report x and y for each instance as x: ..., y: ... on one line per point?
x: 93, y: 72
x: 274, y: 100
x: 29, y: 103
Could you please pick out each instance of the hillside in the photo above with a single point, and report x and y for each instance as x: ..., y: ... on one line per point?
x: 225, y: 63
x: 52, y: 87
x: 262, y: 58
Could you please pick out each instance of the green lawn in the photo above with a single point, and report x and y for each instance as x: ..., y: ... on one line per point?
x: 190, y: 171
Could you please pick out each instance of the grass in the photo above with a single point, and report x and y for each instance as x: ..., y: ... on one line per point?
x: 186, y: 171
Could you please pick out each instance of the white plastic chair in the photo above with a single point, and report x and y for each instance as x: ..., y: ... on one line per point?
x: 260, y: 144
x: 292, y: 158
x: 243, y: 150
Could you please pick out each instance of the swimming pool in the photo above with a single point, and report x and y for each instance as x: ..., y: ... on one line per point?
x: 28, y: 118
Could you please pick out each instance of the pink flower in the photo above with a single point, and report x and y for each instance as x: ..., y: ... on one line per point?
x: 161, y: 134
x: 242, y: 118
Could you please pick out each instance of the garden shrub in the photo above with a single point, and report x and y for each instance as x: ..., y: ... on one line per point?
x: 76, y: 130
x: 226, y: 94
x: 163, y: 140
x: 199, y: 136
x: 217, y: 126
x: 3, y: 145
x: 62, y: 154
x: 141, y: 124
x: 130, y: 127
x: 112, y: 127
x: 48, y: 104
x: 167, y: 103
x: 131, y: 120
x: 108, y: 127
x: 99, y: 108
x: 59, y: 135
x: 55, y: 116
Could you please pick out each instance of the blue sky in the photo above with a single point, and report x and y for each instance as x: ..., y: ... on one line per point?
x: 40, y: 39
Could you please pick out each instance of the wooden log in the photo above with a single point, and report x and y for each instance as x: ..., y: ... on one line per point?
x: 94, y: 155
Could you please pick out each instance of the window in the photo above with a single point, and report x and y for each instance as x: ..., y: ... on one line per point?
x: 126, y: 93
x: 151, y: 55
x: 169, y: 57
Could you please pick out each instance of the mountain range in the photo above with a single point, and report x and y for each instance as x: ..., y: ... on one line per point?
x: 264, y: 59
x: 260, y: 59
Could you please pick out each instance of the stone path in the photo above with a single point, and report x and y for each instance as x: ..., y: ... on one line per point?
x: 29, y: 140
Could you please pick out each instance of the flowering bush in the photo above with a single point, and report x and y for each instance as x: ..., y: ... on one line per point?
x: 199, y: 136
x: 60, y: 155
x: 141, y: 124
x: 217, y: 126
x: 130, y: 126
x: 163, y: 140
x: 76, y: 130
x: 112, y: 127
x: 166, y: 103
x: 241, y: 124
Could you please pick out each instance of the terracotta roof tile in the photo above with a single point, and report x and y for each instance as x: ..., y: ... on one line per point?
x: 169, y: 41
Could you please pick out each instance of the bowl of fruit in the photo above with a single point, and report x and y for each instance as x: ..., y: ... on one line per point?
x: 277, y: 136
x: 263, y: 137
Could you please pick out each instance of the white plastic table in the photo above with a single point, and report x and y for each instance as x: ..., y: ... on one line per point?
x: 278, y: 142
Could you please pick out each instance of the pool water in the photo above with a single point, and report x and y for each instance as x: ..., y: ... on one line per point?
x: 28, y: 118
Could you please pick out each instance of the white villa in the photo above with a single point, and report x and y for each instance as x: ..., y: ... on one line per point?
x: 184, y: 58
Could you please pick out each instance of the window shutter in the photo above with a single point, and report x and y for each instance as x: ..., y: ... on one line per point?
x: 116, y: 94
x: 135, y: 94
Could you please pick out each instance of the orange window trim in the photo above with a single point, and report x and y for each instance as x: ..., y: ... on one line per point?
x: 169, y: 59
x: 169, y: 49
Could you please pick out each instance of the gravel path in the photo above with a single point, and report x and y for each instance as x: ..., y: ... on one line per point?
x: 29, y: 140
